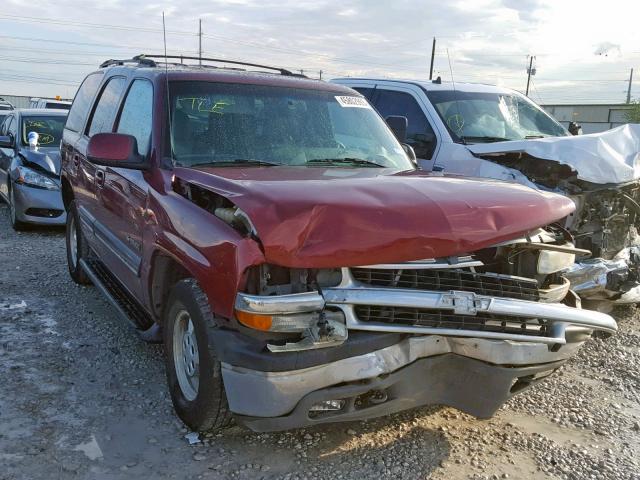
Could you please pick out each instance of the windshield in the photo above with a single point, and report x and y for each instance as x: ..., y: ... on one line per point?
x: 232, y: 124
x: 473, y: 117
x: 48, y: 128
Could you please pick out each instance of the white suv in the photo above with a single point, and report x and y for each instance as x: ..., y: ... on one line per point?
x: 442, y: 118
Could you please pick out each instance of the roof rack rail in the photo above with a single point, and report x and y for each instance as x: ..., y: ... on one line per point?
x: 139, y: 59
x: 147, y: 60
x: 282, y: 71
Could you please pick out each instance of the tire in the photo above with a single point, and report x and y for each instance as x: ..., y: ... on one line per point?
x: 15, y: 223
x: 197, y: 390
x: 74, y: 238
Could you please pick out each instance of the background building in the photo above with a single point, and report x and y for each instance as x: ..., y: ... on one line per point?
x: 593, y: 118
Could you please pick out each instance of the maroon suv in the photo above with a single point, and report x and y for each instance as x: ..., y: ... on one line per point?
x: 276, y: 236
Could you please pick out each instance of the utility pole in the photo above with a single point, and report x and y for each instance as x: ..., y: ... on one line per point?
x: 530, y: 71
x: 320, y: 74
x: 433, y: 54
x: 200, y: 41
x: 629, y: 88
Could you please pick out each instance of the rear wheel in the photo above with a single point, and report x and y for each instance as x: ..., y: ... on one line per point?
x: 77, y: 247
x: 15, y: 223
x: 194, y: 374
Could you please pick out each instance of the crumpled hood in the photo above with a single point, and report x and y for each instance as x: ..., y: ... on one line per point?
x: 607, y: 157
x: 317, y: 217
x: 47, y: 158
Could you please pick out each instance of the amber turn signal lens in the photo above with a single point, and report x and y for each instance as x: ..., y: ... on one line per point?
x: 253, y: 320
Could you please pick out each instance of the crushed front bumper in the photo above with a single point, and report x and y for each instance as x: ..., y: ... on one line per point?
x: 482, y: 350
x: 475, y: 376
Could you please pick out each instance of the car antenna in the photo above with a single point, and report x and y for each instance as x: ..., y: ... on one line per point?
x: 455, y: 99
x: 166, y: 78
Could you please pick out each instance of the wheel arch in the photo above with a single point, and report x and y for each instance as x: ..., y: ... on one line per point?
x: 67, y: 193
x: 164, y: 273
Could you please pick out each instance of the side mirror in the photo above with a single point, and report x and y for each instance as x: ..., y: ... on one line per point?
x: 575, y: 128
x: 398, y: 126
x: 115, y: 150
x: 411, y: 154
x: 6, y: 141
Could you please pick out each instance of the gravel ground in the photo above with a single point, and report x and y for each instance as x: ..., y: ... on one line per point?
x: 82, y: 397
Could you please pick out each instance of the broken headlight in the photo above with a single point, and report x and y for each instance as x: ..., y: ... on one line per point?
x: 551, y: 262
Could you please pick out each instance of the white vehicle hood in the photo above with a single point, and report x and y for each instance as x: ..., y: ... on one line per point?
x: 607, y: 157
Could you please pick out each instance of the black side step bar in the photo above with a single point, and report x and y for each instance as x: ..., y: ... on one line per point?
x: 126, y: 306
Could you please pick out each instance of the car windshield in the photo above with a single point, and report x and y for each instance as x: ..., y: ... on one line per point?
x: 473, y: 117
x: 48, y: 128
x: 239, y: 124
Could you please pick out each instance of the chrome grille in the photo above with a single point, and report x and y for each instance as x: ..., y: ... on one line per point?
x: 441, y: 319
x: 445, y: 280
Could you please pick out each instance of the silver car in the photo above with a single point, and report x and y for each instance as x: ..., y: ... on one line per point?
x: 30, y: 166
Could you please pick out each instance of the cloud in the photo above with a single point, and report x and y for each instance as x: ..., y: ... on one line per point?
x: 607, y: 48
x: 487, y: 40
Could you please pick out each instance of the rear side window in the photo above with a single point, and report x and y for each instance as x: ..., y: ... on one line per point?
x: 106, y: 107
x: 136, y: 115
x: 82, y: 102
x: 419, y: 132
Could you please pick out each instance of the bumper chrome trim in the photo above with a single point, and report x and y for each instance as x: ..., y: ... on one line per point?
x: 280, y: 304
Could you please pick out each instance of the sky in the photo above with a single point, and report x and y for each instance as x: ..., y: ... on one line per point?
x: 583, y: 50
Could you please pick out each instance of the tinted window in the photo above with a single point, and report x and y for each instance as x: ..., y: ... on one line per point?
x: 106, y: 107
x: 419, y: 132
x: 366, y: 91
x: 2, y: 124
x: 48, y: 128
x: 58, y: 106
x: 136, y: 115
x: 82, y: 102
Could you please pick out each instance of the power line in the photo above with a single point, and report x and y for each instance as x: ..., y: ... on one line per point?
x: 66, y: 23
x: 50, y: 62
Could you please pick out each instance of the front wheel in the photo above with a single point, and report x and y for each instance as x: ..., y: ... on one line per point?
x: 13, y: 216
x: 194, y: 374
x: 77, y: 247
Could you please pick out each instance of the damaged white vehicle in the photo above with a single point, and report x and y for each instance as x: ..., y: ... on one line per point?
x: 488, y: 131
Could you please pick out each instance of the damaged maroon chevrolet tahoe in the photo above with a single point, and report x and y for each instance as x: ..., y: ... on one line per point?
x: 271, y: 230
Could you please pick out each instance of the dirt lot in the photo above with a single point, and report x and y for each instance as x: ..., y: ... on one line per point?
x: 82, y: 397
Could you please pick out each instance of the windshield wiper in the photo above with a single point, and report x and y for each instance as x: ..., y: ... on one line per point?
x: 342, y: 161
x: 238, y: 162
x: 487, y: 139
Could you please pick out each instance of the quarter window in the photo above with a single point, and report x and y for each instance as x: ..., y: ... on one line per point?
x: 106, y: 107
x: 419, y: 132
x: 136, y: 115
x: 82, y: 102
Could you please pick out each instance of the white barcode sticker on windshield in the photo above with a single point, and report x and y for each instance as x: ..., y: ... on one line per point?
x: 357, y: 102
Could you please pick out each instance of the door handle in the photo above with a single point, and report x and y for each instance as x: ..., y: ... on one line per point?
x: 100, y: 178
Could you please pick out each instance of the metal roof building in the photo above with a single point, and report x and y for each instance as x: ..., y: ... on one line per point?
x: 592, y: 118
